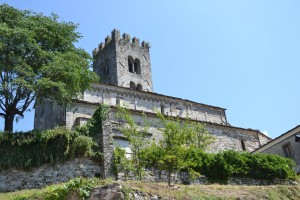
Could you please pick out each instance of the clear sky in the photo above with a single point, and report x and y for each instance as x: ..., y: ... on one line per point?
x: 239, y: 55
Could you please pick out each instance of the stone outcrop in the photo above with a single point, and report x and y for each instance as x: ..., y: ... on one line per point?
x: 108, y: 192
x: 116, y: 192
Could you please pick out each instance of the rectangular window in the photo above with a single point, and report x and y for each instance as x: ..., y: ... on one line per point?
x: 81, y: 121
x: 288, y: 150
x: 162, y: 109
x: 243, y: 145
x: 119, y: 102
x: 124, y: 144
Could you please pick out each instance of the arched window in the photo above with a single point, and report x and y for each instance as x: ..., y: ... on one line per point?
x: 139, y: 87
x: 132, y: 85
x: 137, y: 67
x: 130, y: 64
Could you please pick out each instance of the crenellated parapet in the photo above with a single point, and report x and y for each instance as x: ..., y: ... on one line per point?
x: 125, y: 39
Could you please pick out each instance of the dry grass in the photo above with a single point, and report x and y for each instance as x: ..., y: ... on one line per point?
x: 216, y: 191
x: 205, y: 192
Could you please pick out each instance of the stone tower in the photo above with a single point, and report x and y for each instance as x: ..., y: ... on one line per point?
x: 124, y: 62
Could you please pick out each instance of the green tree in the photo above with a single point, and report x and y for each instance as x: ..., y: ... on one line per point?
x: 137, y: 137
x: 180, y: 139
x: 38, y: 59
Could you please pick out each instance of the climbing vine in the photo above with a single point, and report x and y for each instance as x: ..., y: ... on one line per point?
x: 34, y: 148
x: 94, y: 125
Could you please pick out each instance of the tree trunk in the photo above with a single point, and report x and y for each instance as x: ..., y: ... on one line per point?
x: 169, y: 178
x: 9, y: 122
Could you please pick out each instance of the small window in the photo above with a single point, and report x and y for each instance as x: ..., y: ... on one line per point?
x: 243, y: 145
x: 118, y: 101
x: 132, y: 85
x: 106, y: 68
x: 139, y: 87
x: 81, y: 121
x: 162, y: 109
x: 288, y: 150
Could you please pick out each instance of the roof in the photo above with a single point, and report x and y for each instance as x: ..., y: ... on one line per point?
x: 278, y: 139
x: 161, y: 95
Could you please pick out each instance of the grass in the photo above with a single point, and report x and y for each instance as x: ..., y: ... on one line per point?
x: 216, y: 191
x: 199, y: 192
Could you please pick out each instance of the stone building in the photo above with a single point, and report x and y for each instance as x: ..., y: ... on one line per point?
x: 125, y: 70
x: 285, y: 145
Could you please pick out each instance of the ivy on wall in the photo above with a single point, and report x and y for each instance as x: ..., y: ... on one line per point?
x: 94, y: 125
x: 34, y: 148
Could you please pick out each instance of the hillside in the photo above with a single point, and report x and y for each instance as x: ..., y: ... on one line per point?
x: 145, y: 190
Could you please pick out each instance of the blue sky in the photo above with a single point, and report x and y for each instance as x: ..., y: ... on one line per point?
x: 239, y: 55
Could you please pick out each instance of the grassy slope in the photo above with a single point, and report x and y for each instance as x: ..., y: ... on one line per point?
x: 182, y: 191
x: 218, y: 191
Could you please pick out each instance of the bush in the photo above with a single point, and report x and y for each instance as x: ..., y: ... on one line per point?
x: 268, y: 166
x: 227, y: 164
x: 34, y: 148
x: 82, y: 146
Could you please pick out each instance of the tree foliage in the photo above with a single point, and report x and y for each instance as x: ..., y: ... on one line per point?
x: 137, y: 137
x: 182, y: 148
x: 180, y: 138
x: 38, y: 58
x: 171, y: 153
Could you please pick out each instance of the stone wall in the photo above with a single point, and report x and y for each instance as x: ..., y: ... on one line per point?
x: 226, y: 137
x: 152, y: 102
x: 16, y: 179
x: 162, y: 176
x: 183, y: 178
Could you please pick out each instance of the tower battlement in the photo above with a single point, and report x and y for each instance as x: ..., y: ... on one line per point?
x: 115, y: 37
x: 124, y: 61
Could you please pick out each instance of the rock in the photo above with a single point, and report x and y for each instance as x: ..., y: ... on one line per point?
x: 108, y: 192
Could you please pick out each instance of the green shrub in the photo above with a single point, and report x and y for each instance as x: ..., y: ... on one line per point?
x: 34, y: 148
x: 82, y: 186
x: 268, y: 166
x: 82, y: 146
x: 227, y: 164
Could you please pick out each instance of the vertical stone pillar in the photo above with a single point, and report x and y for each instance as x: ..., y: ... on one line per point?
x: 107, y: 147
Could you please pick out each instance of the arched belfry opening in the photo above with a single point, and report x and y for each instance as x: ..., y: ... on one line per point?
x: 137, y: 66
x: 130, y: 64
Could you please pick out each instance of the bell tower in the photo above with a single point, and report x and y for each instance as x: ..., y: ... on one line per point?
x: 124, y: 62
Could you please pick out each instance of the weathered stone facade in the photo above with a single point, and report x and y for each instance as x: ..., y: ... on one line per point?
x: 121, y: 61
x: 123, y: 65
x: 15, y: 179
